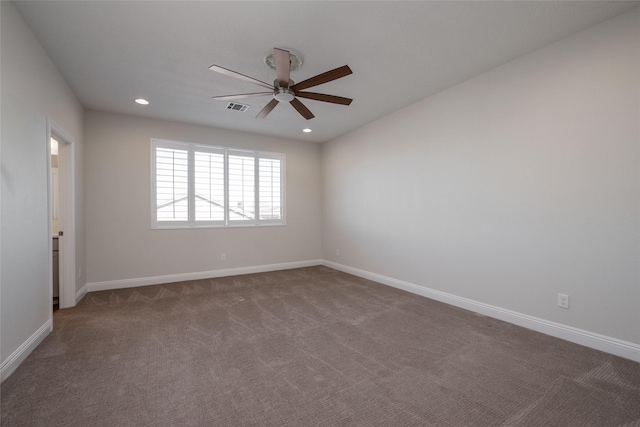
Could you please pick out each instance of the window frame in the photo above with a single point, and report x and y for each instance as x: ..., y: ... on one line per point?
x: 191, y: 222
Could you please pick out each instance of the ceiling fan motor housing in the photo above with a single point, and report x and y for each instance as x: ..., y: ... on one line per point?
x: 283, y: 94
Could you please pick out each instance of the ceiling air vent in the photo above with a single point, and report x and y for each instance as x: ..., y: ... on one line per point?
x: 237, y: 107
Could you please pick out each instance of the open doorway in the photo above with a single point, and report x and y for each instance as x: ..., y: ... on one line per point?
x: 61, y: 214
x: 55, y: 221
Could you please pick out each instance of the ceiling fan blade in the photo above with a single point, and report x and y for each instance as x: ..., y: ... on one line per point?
x: 304, y: 111
x: 240, y: 96
x: 230, y: 73
x: 326, y: 98
x: 267, y: 109
x: 323, y: 78
x: 283, y: 66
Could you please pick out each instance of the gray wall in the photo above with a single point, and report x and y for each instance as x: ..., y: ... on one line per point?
x: 32, y: 90
x: 120, y: 242
x: 507, y: 189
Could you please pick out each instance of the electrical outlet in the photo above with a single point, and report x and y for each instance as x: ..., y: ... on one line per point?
x: 223, y: 257
x: 79, y: 272
x: 337, y: 252
x: 563, y: 300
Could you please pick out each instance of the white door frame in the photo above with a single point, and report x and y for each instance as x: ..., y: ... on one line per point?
x: 66, y: 203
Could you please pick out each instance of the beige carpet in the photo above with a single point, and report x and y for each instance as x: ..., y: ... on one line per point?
x: 306, y: 347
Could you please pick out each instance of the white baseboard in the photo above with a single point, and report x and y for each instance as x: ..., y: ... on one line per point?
x: 14, y: 360
x: 604, y: 343
x: 157, y: 280
x: 81, y: 293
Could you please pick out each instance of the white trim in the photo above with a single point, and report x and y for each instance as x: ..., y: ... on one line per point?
x: 81, y: 293
x: 171, y: 278
x: 17, y: 357
x: 614, y: 346
x: 67, y: 203
x: 48, y: 138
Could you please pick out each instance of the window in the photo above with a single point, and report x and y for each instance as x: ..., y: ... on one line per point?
x: 205, y: 186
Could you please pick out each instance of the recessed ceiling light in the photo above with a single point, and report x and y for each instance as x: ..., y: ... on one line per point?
x: 142, y: 101
x: 307, y: 130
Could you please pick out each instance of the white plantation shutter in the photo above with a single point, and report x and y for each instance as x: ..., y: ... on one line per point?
x: 270, y: 188
x: 209, y: 185
x: 242, y: 184
x: 205, y: 186
x: 172, y: 188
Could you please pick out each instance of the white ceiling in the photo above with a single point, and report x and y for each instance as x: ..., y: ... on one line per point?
x: 400, y: 52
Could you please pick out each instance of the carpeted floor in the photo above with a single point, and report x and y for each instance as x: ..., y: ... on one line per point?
x: 306, y: 347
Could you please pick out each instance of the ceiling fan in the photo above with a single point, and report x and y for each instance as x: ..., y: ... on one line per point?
x: 284, y: 89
